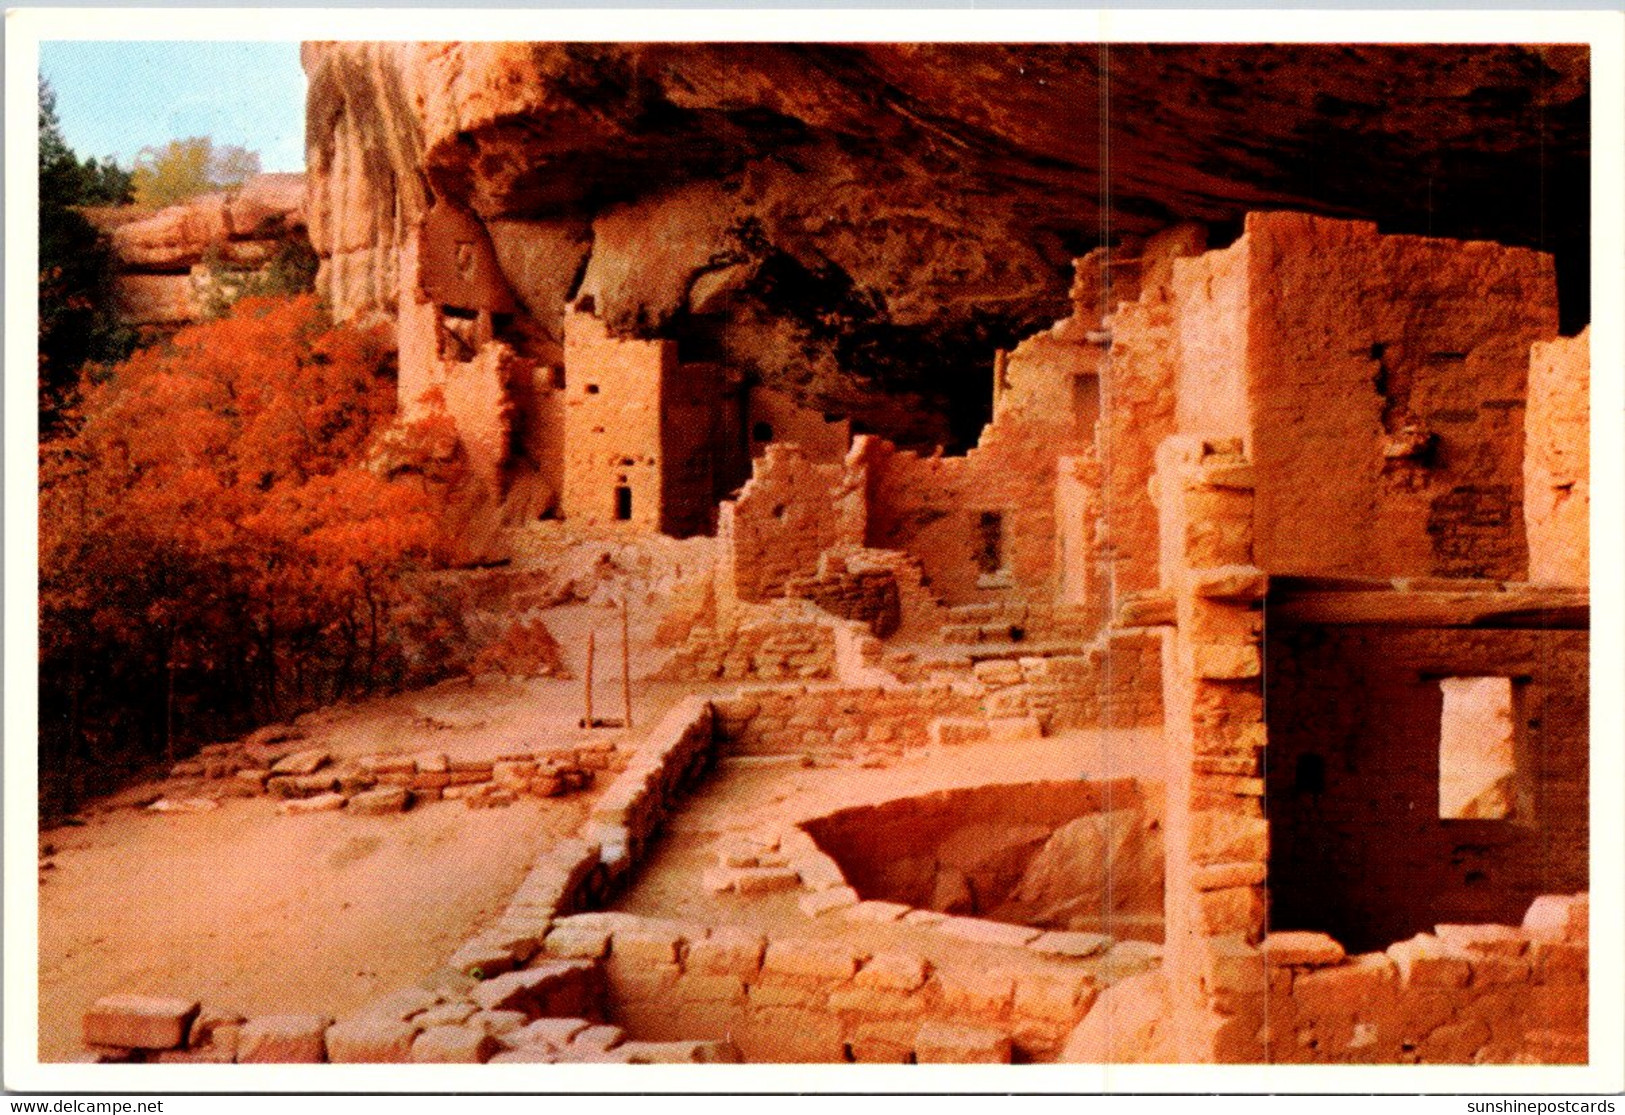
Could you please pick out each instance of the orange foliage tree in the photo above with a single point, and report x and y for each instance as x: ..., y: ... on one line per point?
x: 213, y: 544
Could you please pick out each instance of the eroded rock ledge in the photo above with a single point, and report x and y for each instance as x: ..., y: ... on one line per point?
x: 864, y: 225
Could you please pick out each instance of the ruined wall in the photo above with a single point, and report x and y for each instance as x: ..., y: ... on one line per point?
x: 1386, y: 378
x: 791, y: 510
x: 1465, y: 994
x: 1355, y: 724
x: 1116, y: 684
x: 1137, y: 413
x: 782, y: 419
x: 775, y: 641
x: 1049, y: 379
x: 836, y: 720
x: 939, y: 508
x: 1557, y: 462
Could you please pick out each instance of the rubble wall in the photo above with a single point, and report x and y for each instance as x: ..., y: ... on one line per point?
x: 933, y: 508
x: 1557, y: 462
x: 790, y: 511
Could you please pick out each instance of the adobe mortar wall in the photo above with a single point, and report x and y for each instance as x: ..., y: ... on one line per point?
x: 1557, y: 461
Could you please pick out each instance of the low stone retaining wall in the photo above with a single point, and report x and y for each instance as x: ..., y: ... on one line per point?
x: 837, y: 720
x: 1116, y: 684
x: 793, y: 999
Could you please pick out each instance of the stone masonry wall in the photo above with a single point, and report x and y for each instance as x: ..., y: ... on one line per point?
x: 778, y: 641
x: 934, y: 508
x: 837, y: 720
x: 612, y: 423
x: 792, y: 510
x: 1217, y: 835
x: 1386, y: 379
x: 1117, y: 683
x: 1557, y: 462
x: 1355, y: 768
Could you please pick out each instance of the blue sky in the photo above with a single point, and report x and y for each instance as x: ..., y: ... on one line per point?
x: 114, y: 98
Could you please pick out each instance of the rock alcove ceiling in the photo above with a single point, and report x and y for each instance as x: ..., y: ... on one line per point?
x: 863, y: 225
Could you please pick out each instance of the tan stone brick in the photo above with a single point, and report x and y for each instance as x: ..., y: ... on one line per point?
x: 1492, y: 970
x: 370, y: 1040
x: 941, y: 1043
x: 646, y: 945
x: 454, y: 1045
x: 700, y: 987
x: 577, y: 943
x: 1070, y: 944
x: 981, y: 932
x: 139, y: 1021
x: 1053, y: 997
x: 727, y: 950
x: 291, y: 1039
x: 893, y: 971
x: 551, y: 1032
x: 978, y: 991
x: 775, y: 991
x: 1559, y: 962
x: 1424, y: 962
x: 1231, y: 910
x: 1221, y: 662
x: 1454, y: 1043
x: 822, y: 902
x: 1501, y: 940
x: 875, y: 912
x: 824, y: 959
x: 788, y: 1035
x: 1313, y: 950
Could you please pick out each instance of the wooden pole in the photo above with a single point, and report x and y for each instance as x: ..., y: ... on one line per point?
x: 587, y: 721
x: 626, y: 653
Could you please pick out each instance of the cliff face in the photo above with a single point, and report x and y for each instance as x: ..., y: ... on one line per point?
x: 171, y: 262
x: 863, y: 225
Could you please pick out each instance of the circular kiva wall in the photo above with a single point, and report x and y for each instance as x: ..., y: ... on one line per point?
x: 1056, y: 855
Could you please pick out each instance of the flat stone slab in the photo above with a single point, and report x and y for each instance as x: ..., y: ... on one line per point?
x: 139, y: 1021
x: 1063, y: 943
x: 987, y: 932
x: 1302, y: 948
x: 302, y: 762
x: 878, y: 913
x: 940, y: 1043
x: 388, y: 799
x: 454, y: 1045
x: 365, y: 1040
x: 552, y: 1033
x: 283, y: 1039
x: 823, y: 901
x: 321, y: 803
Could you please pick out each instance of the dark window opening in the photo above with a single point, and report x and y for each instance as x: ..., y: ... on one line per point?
x: 592, y: 389
x: 623, y: 504
x: 458, y: 313
x: 1309, y: 777
x: 762, y: 431
x: 990, y: 542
